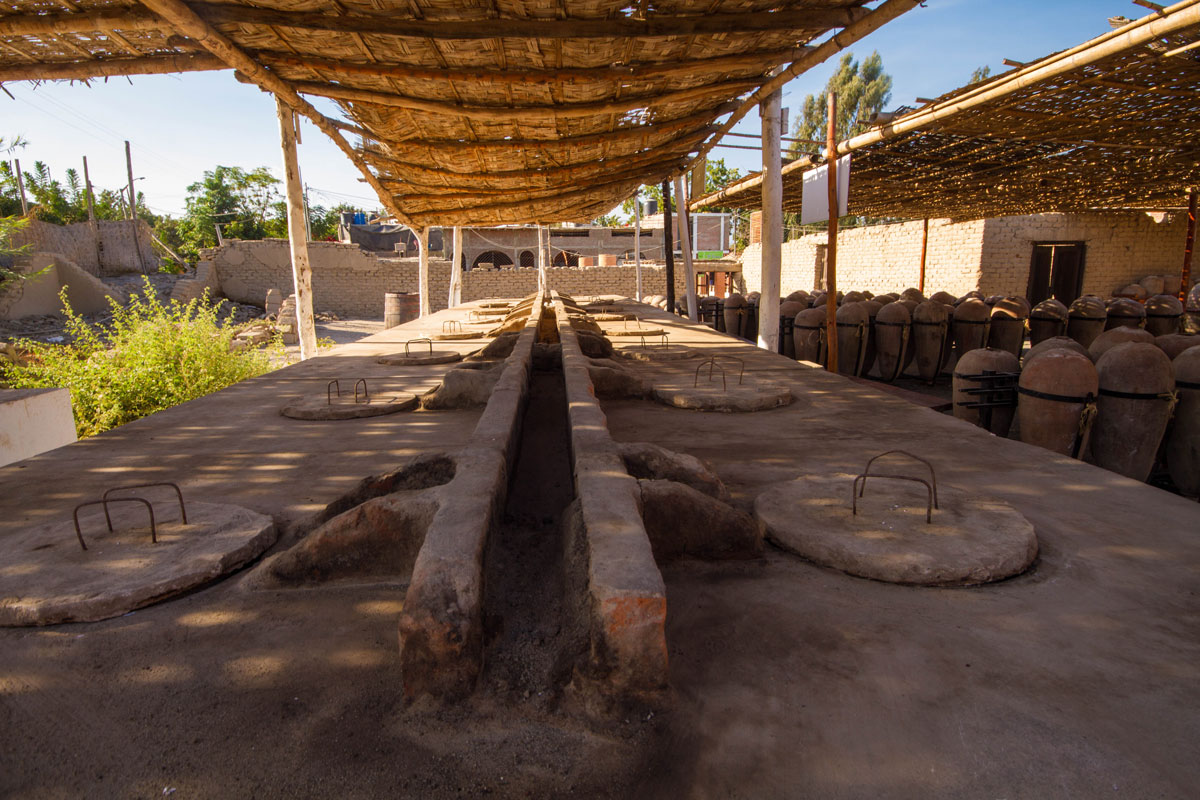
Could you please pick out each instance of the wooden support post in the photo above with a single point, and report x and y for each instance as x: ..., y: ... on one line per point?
x: 924, y: 249
x: 133, y: 217
x: 772, y: 222
x: 21, y: 190
x: 301, y: 266
x: 87, y: 186
x: 668, y: 246
x: 637, y: 244
x: 456, y: 268
x: 685, y: 246
x: 1185, y: 277
x: 831, y: 360
x: 543, y: 257
x: 423, y: 271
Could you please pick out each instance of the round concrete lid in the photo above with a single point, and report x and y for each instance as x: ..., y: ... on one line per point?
x: 46, y: 578
x: 417, y: 359
x: 713, y: 396
x: 321, y: 407
x: 971, y: 540
x: 672, y: 352
x: 633, y: 331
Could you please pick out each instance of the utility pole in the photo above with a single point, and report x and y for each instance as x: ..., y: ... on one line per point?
x: 21, y: 190
x: 137, y: 246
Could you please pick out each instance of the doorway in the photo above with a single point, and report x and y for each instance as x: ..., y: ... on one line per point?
x: 1056, y: 270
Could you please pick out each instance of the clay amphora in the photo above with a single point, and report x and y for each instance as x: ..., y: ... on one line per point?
x: 872, y: 307
x: 972, y: 319
x: 735, y: 315
x: 893, y: 326
x: 1058, y: 387
x: 1008, y: 325
x: 1126, y: 312
x: 1055, y: 343
x: 853, y: 323
x: 930, y: 333
x: 788, y: 310
x: 1162, y: 314
x: 1136, y: 385
x: 808, y: 335
x: 1191, y: 312
x: 945, y: 298
x: 1183, y: 440
x: 1047, y: 319
x: 968, y: 375
x: 1111, y: 338
x: 1086, y: 319
x: 1175, y: 343
x: 912, y: 294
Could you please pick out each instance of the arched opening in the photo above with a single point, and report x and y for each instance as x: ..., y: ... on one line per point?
x: 565, y: 258
x: 528, y: 259
x: 492, y: 259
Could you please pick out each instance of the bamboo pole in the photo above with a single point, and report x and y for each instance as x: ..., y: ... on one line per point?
x: 532, y: 112
x: 772, y: 223
x: 924, y: 250
x: 133, y: 219
x: 21, y: 189
x: 685, y: 247
x: 87, y: 187
x: 112, y: 67
x: 637, y: 244
x: 1185, y: 276
x: 543, y: 256
x: 301, y: 266
x: 831, y: 360
x: 456, y: 267
x: 664, y: 25
x: 668, y: 245
x: 423, y: 270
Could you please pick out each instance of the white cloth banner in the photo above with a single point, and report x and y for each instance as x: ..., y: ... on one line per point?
x: 814, y: 198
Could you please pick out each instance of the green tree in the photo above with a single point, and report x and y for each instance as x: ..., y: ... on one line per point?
x: 862, y: 90
x: 980, y: 74
x: 242, y: 201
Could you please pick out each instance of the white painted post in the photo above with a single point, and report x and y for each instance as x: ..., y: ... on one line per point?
x: 685, y: 245
x: 297, y: 234
x: 637, y: 244
x: 456, y: 268
x: 772, y: 224
x: 543, y: 255
x: 423, y: 271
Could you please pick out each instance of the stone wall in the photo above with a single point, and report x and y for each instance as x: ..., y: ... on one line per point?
x: 992, y: 255
x: 351, y: 282
x: 114, y: 254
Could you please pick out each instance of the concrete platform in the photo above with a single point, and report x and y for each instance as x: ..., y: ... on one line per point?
x: 1077, y: 679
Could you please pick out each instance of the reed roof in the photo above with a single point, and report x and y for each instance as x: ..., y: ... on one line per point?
x: 467, y: 111
x: 1112, y: 123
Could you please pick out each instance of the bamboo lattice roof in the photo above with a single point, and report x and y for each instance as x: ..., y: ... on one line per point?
x: 1113, y: 123
x: 468, y: 111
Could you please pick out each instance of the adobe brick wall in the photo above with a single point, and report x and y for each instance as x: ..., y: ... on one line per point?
x: 992, y: 255
x: 117, y: 254
x: 351, y: 282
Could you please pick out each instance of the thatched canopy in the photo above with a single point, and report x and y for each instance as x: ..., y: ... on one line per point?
x: 469, y: 112
x: 1112, y: 123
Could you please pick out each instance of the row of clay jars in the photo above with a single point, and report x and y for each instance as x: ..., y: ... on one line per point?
x: 1130, y: 385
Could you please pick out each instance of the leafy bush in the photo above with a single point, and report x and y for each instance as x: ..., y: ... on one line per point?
x: 150, y: 357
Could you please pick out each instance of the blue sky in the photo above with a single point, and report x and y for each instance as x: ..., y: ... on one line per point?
x: 182, y: 125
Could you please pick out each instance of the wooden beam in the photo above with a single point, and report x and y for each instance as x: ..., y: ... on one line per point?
x: 831, y: 337
x: 685, y: 248
x: 112, y: 67
x: 507, y: 113
x: 546, y: 200
x: 134, y: 19
x: 306, y: 329
x: 615, y: 72
x: 184, y: 21
x: 807, y: 19
x: 1185, y: 275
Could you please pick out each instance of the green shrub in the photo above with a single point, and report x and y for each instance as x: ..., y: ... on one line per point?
x: 149, y: 357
